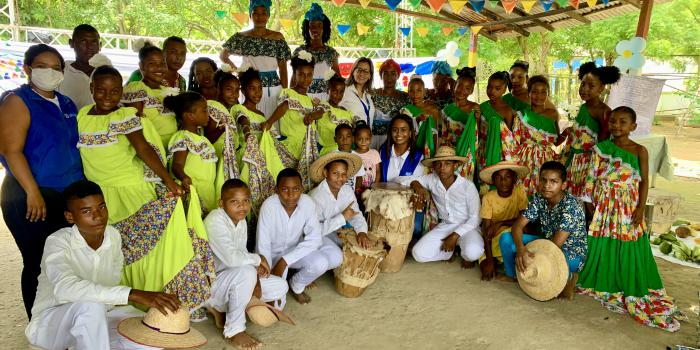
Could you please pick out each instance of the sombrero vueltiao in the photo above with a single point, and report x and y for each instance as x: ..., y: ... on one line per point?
x: 546, y: 273
x: 444, y: 153
x: 265, y: 315
x: 170, y: 331
x: 353, y: 160
x: 520, y: 170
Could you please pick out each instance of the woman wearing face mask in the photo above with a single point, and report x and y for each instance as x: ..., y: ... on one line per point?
x: 38, y: 138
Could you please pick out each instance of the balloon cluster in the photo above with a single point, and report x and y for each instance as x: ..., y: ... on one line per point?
x: 450, y: 54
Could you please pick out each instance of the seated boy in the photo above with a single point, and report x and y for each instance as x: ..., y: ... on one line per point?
x: 561, y: 219
x: 457, y: 202
x: 336, y: 202
x: 500, y: 208
x: 79, y: 282
x: 289, y: 235
x: 237, y: 270
x: 345, y: 139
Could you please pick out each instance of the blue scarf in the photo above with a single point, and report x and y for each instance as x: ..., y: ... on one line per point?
x: 255, y: 3
x: 409, y: 166
x: 441, y: 67
x: 315, y: 13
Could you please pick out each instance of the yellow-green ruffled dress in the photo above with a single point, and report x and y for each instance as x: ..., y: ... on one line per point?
x: 200, y: 164
x: 228, y: 165
x: 327, y: 124
x: 292, y: 122
x: 153, y: 109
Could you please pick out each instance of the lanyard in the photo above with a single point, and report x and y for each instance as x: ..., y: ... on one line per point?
x: 365, y: 106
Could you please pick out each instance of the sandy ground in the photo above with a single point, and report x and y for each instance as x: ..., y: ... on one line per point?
x: 440, y: 306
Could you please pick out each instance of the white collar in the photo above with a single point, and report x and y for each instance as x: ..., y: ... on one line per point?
x: 77, y: 241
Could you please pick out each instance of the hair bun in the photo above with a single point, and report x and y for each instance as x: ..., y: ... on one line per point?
x: 466, y: 72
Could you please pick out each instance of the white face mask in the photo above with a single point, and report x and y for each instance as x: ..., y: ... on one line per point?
x: 46, y: 79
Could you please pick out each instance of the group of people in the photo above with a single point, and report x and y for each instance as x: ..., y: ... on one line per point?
x: 171, y: 193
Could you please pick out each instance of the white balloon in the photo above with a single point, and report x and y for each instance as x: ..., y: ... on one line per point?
x: 622, y: 46
x: 453, y: 61
x: 442, y: 54
x: 451, y: 46
x: 637, y: 44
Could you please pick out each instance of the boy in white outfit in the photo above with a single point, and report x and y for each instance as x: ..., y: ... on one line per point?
x: 79, y: 282
x: 457, y: 202
x: 237, y: 271
x: 289, y: 235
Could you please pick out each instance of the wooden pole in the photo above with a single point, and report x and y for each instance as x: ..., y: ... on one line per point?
x: 473, y: 41
x: 644, y: 18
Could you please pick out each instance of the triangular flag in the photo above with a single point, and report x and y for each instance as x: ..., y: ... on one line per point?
x: 528, y: 4
x: 477, y: 5
x: 339, y: 2
x: 422, y: 31
x: 457, y: 5
x: 241, y: 18
x: 414, y: 3
x: 574, y: 3
x: 286, y: 23
x: 508, y: 5
x: 563, y: 3
x: 546, y: 4
x: 462, y: 30
x: 343, y: 28
x: 220, y: 14
x: 591, y: 3
x: 379, y: 29
x: 365, y: 3
x: 493, y: 3
x: 405, y: 30
x: 362, y: 29
x: 476, y: 29
x: 447, y: 30
x: 435, y: 5
x: 392, y: 4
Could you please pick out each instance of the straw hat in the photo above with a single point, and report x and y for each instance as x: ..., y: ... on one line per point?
x: 444, y: 153
x: 163, y: 331
x: 264, y: 314
x: 546, y: 273
x: 520, y: 170
x: 353, y: 160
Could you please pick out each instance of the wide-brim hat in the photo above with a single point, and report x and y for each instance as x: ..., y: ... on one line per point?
x: 546, y: 273
x: 443, y: 153
x: 163, y: 331
x: 487, y: 173
x: 265, y: 315
x: 353, y: 160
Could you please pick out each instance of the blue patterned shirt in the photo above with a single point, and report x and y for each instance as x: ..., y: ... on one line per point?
x: 567, y: 216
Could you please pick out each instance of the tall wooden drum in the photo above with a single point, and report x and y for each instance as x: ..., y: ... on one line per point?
x: 391, y: 219
x: 360, y: 266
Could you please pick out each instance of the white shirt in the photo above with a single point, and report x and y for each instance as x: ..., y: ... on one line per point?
x: 353, y: 103
x: 396, y: 163
x: 71, y: 272
x: 289, y: 237
x: 228, y: 241
x: 76, y: 85
x: 330, y: 212
x: 459, y: 204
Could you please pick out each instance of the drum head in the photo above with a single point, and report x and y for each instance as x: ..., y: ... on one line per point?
x: 389, y: 186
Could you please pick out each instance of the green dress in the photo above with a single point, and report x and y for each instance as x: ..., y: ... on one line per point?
x: 327, y: 124
x: 538, y: 134
x: 292, y: 122
x: 181, y: 81
x: 162, y: 251
x: 227, y: 166
x: 501, y: 143
x: 515, y: 103
x: 460, y: 131
x: 153, y: 109
x: 585, y: 136
x: 426, y: 127
x: 620, y: 269
x: 200, y: 164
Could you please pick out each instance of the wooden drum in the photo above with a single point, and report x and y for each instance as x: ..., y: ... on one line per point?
x: 360, y: 266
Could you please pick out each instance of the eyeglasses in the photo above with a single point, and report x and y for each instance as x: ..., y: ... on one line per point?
x: 361, y: 71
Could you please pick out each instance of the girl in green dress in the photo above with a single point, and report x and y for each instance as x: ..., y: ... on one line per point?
x: 425, y: 114
x: 518, y: 98
x: 460, y: 126
x: 192, y: 157
x: 147, y: 95
x: 333, y: 116
x: 499, y: 123
x: 201, y: 79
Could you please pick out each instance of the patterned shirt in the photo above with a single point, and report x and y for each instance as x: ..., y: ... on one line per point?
x: 567, y: 216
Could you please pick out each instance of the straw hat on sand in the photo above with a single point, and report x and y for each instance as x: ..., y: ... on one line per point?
x: 486, y: 173
x: 163, y: 331
x: 353, y: 160
x: 264, y: 314
x: 444, y: 153
x: 546, y: 273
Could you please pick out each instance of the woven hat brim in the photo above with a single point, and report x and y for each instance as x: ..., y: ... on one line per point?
x: 265, y: 315
x: 545, y: 289
x: 485, y: 174
x: 428, y: 162
x: 134, y: 330
x: 354, y: 163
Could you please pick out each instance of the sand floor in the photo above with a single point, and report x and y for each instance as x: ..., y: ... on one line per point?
x: 440, y: 306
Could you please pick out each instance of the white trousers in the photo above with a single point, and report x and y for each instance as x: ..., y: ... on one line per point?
x: 83, y: 326
x: 428, y: 248
x: 312, y: 266
x: 232, y: 290
x: 268, y: 103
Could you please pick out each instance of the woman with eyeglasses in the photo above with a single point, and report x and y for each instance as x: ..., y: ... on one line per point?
x: 357, y: 98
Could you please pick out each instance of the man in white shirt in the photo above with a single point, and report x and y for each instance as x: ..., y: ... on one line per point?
x: 289, y: 234
x: 79, y: 282
x: 76, y: 77
x: 457, y: 201
x: 237, y: 270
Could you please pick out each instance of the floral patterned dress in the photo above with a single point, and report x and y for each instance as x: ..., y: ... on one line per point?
x: 263, y: 55
x: 292, y: 122
x: 620, y: 270
x: 501, y: 143
x: 515, y: 103
x: 324, y: 60
x: 153, y: 109
x: 537, y: 136
x: 426, y: 126
x: 585, y: 136
x: 327, y: 124
x: 387, y: 107
x: 226, y: 146
x: 200, y: 164
x: 459, y: 130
